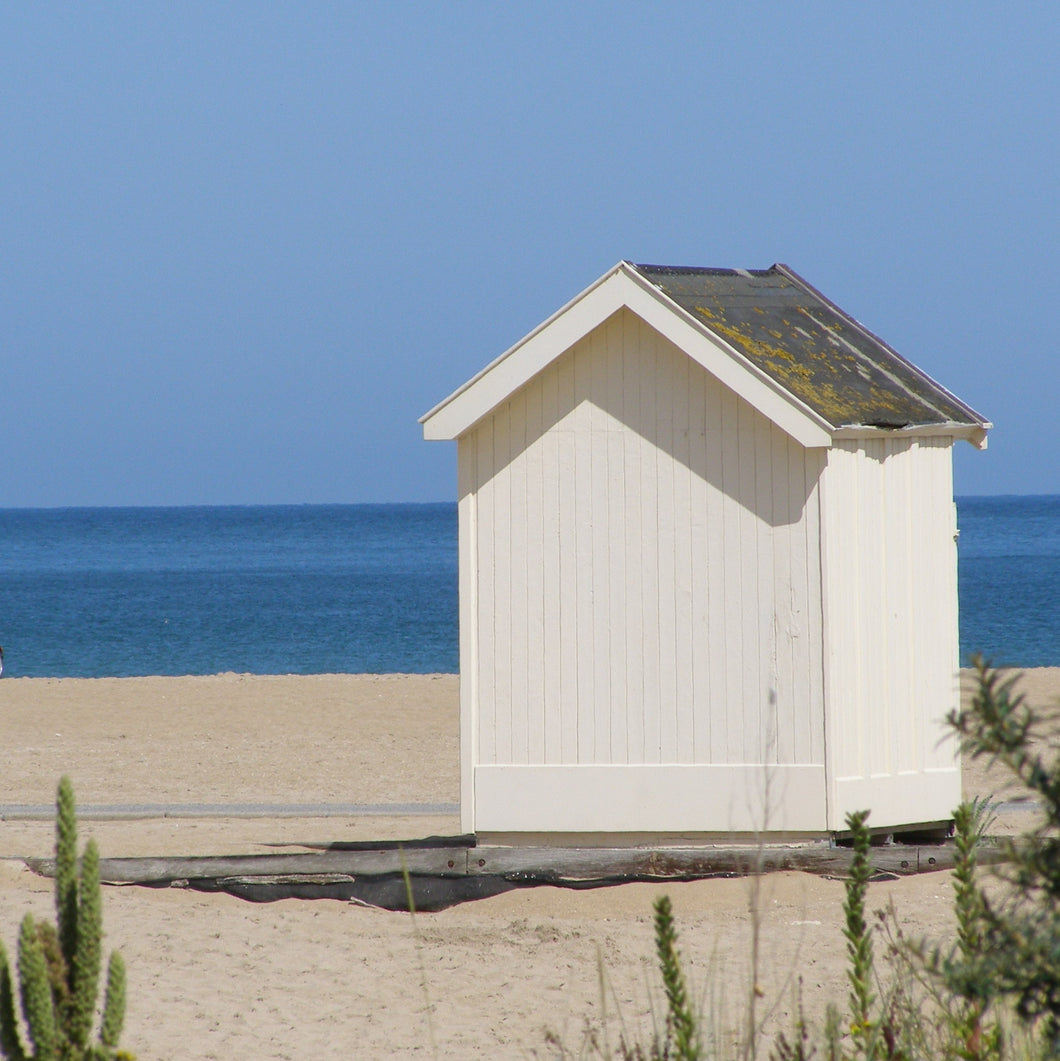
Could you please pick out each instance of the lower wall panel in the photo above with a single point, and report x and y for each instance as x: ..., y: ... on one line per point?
x: 649, y: 798
x: 904, y: 799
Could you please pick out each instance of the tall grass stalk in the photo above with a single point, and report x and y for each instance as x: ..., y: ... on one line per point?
x: 681, y: 1026
x: 754, y: 990
x: 755, y: 1018
x: 418, y: 944
x: 858, y: 936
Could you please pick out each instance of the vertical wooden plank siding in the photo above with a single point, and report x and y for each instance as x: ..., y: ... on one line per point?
x: 684, y: 721
x: 731, y: 567
x: 614, y: 486
x: 666, y: 519
x: 890, y: 627
x: 599, y: 562
x: 502, y: 617
x: 584, y: 549
x: 936, y: 470
x: 652, y: 395
x: 481, y: 442
x: 648, y: 572
x: 715, y: 680
x: 550, y: 651
x: 468, y: 483
x: 766, y: 584
x: 629, y: 532
x: 566, y: 589
x: 805, y: 614
x: 518, y: 631
x: 535, y: 580
x: 701, y: 562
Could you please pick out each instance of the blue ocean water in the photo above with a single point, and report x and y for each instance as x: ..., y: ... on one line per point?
x: 1009, y: 579
x: 368, y: 588
x: 266, y: 590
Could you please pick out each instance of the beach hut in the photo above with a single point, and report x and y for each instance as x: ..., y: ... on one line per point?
x: 708, y: 579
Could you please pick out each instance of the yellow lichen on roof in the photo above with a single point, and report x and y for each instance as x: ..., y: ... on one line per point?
x: 787, y: 370
x: 755, y: 347
x: 808, y: 346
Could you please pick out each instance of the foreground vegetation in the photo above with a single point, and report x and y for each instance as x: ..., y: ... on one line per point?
x: 990, y: 994
x: 59, y: 965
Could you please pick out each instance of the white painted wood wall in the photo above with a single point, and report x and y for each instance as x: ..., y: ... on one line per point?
x: 677, y: 619
x: 890, y: 612
x: 641, y: 595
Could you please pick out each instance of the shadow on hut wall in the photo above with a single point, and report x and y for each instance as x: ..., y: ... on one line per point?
x: 625, y: 377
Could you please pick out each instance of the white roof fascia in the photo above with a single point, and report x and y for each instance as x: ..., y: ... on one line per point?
x: 623, y: 287
x: 973, y: 433
x: 727, y: 364
x: 455, y: 415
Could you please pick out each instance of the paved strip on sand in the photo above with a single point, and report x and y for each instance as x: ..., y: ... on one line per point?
x: 115, y: 811
x: 30, y: 812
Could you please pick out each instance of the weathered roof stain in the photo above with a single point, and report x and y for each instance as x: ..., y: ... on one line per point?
x: 810, y: 347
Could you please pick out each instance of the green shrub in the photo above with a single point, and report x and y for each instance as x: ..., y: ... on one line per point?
x: 59, y: 965
x: 1013, y: 947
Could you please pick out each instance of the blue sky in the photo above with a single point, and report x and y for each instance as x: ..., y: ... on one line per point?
x: 245, y: 246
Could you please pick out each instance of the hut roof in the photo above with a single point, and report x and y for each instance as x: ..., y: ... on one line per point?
x: 766, y: 333
x: 823, y: 356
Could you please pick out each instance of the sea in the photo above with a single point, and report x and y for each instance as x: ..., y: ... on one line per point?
x: 314, y: 589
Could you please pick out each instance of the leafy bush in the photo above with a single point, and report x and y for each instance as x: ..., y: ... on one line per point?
x: 1013, y: 950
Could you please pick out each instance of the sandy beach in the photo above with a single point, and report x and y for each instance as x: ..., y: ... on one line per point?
x: 212, y: 976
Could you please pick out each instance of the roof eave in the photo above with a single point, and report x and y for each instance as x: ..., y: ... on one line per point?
x: 975, y: 421
x: 816, y: 423
x: 435, y: 422
x: 975, y: 433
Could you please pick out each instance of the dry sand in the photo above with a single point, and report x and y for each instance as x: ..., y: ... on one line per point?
x: 211, y: 976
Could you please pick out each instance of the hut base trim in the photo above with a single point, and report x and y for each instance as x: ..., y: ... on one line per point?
x: 650, y: 798
x: 898, y: 799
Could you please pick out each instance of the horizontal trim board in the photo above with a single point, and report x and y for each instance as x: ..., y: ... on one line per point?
x: 649, y: 798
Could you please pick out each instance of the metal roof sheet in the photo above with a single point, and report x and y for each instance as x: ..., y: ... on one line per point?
x: 809, y: 346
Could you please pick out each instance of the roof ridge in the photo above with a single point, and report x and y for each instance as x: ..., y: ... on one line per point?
x: 703, y: 270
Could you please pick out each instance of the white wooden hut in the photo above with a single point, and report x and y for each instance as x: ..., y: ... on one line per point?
x: 707, y: 568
